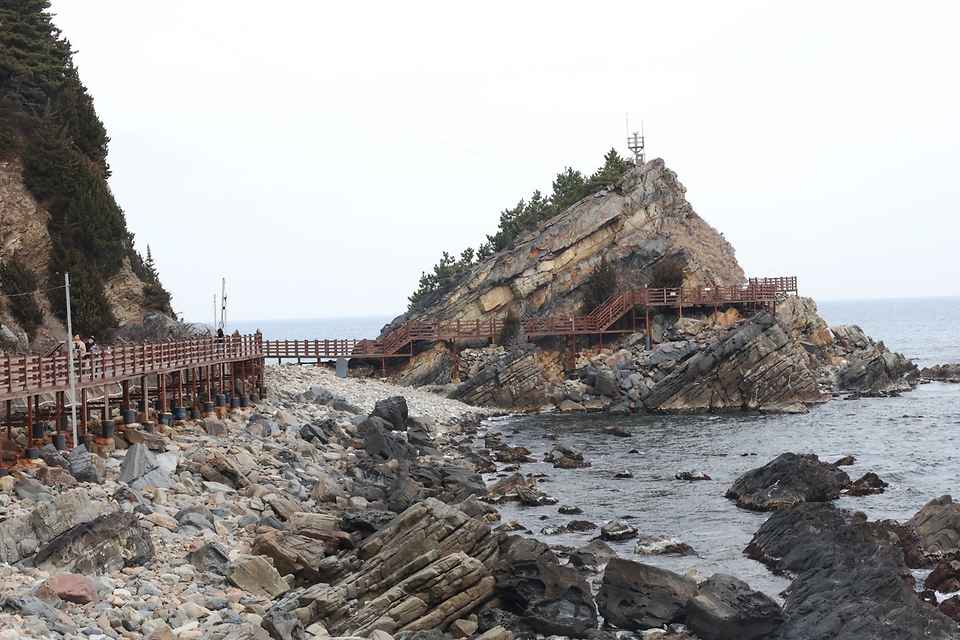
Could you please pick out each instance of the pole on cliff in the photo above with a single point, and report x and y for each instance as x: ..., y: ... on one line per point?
x: 71, y: 354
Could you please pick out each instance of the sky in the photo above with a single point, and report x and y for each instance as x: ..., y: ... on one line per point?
x: 319, y: 156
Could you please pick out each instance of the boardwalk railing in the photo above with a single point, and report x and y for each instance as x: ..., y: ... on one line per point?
x: 25, y: 374
x: 399, y: 342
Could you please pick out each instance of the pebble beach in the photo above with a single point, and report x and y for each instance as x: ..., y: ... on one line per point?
x: 166, y: 595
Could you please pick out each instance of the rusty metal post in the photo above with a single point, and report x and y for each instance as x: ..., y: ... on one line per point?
x: 125, y: 386
x: 456, y: 369
x: 162, y: 383
x: 30, y: 422
x: 10, y: 419
x: 83, y: 409
x: 59, y: 410
x: 145, y: 398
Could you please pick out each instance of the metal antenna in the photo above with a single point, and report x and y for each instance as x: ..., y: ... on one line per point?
x: 635, y: 144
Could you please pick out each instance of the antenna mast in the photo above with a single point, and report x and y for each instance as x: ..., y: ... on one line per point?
x: 635, y: 144
x: 223, y: 306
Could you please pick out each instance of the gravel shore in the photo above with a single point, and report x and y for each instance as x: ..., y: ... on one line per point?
x: 212, y: 484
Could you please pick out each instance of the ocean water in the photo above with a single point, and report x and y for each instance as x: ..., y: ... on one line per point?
x: 912, y: 442
x: 314, y: 328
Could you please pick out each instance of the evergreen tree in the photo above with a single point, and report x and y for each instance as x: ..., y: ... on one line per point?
x: 613, y: 167
x: 568, y: 189
x: 19, y: 283
x: 101, y: 232
x: 91, y: 313
x: 600, y: 286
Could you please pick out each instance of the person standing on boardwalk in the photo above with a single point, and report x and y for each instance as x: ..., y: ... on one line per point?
x: 79, y: 350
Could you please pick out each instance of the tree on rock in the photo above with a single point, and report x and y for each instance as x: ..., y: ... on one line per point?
x: 18, y: 284
x: 600, y: 286
x: 669, y: 272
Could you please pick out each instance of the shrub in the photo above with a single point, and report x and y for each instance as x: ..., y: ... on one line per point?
x: 669, y: 272
x: 600, y: 285
x: 510, y: 329
x: 19, y: 283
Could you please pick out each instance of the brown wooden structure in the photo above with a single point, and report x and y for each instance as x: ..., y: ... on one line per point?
x: 198, y: 374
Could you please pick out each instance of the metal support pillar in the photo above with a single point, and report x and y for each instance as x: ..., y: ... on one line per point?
x: 83, y: 410
x: 162, y: 383
x: 456, y: 369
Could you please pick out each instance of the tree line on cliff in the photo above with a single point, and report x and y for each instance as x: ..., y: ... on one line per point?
x: 569, y: 187
x: 48, y: 120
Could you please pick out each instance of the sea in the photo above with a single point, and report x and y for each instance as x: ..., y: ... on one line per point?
x: 912, y: 441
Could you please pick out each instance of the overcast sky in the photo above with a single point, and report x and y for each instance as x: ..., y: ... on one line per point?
x: 321, y: 155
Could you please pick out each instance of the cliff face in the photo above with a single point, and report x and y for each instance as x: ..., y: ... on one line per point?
x: 24, y: 232
x: 642, y: 218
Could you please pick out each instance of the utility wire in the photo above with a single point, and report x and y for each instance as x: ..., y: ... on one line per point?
x: 30, y: 293
x: 338, y: 102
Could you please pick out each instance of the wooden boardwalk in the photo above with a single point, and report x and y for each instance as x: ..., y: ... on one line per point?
x: 176, y: 375
x: 758, y: 293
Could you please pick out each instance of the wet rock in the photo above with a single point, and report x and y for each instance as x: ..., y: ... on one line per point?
x: 495, y: 623
x: 788, y: 480
x: 619, y: 432
x: 553, y: 599
x: 945, y: 578
x: 728, y: 609
x: 942, y: 373
x: 563, y: 456
x: 938, y: 526
x: 868, y: 484
x: 614, y: 531
x: 662, y: 545
x: 594, y: 556
x: 691, y: 475
x: 845, y: 461
x: 849, y: 578
x: 872, y: 368
x: 533, y: 496
x: 380, y: 442
x: 569, y: 406
x: 637, y: 596
x: 950, y: 608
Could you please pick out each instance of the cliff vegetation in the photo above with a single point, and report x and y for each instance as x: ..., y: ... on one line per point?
x: 58, y: 213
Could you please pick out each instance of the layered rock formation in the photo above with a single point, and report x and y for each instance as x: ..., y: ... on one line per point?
x: 642, y: 218
x: 703, y: 359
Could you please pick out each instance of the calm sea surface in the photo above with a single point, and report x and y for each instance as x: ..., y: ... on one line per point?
x: 912, y: 442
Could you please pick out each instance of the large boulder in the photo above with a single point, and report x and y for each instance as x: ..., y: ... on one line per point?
x: 849, y: 577
x: 552, y: 599
x: 638, y: 596
x: 393, y: 410
x: 101, y: 546
x: 728, y: 609
x: 871, y: 367
x: 937, y: 525
x: 756, y: 364
x: 788, y: 480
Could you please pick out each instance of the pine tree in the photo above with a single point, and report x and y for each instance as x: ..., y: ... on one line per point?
x: 600, y: 285
x: 19, y: 283
x: 613, y: 167
x: 568, y: 189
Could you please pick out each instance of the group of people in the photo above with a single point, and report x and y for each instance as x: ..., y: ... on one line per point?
x: 88, y: 350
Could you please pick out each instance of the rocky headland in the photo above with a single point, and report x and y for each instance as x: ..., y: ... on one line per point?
x: 700, y: 358
x: 338, y: 508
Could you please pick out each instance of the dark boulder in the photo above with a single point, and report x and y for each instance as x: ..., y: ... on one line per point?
x: 637, y: 596
x: 945, y: 578
x: 380, y: 442
x: 868, y: 484
x: 550, y: 598
x: 100, y: 546
x: 850, y: 578
x: 728, y: 609
x: 788, y: 480
x: 937, y: 526
x: 393, y: 410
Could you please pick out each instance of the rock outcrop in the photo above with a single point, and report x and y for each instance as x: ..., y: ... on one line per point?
x: 788, y: 480
x: 849, y: 578
x: 643, y: 217
x: 695, y: 359
x: 756, y: 364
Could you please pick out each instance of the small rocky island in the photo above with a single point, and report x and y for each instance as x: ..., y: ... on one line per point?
x: 691, y: 358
